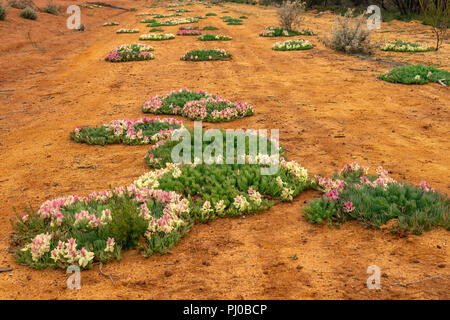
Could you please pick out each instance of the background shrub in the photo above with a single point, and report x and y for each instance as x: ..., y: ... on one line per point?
x: 51, y: 8
x: 349, y: 35
x: 28, y: 13
x: 3, y: 12
x: 290, y: 14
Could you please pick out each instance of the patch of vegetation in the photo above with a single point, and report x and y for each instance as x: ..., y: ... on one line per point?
x: 197, y: 105
x: 157, y: 36
x: 51, y: 8
x: 127, y: 31
x: 210, y: 28
x: 349, y: 35
x: 110, y: 24
x: 231, y: 21
x: 291, y: 13
x: 211, y: 14
x: 3, y: 12
x: 416, y: 74
x: 402, y: 46
x: 206, y: 55
x: 213, y: 37
x: 280, y: 32
x: 28, y: 13
x: 376, y: 200
x: 156, y: 30
x: 173, y: 22
x: 291, y: 45
x: 130, y: 52
x: 132, y: 132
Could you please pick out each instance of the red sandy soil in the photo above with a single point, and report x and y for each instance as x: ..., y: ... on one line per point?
x: 315, y: 97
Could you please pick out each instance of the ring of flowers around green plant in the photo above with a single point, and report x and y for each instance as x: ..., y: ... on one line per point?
x: 127, y: 31
x: 376, y: 199
x: 132, y: 132
x: 130, y: 52
x: 157, y: 36
x: 291, y: 45
x: 401, y: 46
x: 214, y: 37
x: 206, y: 55
x: 197, y: 105
x: 280, y: 32
x: 109, y: 24
x: 416, y: 74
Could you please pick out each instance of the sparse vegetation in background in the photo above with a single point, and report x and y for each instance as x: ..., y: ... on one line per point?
x: 51, y: 8
x: 279, y: 32
x: 377, y: 200
x: 416, y: 74
x: 156, y: 30
x: 231, y: 21
x: 127, y: 30
x: 157, y: 36
x: 206, y: 55
x: 210, y: 14
x: 28, y: 13
x: 292, y: 45
x: 3, y: 11
x: 109, y: 24
x: 290, y: 14
x: 130, y: 52
x: 133, y: 9
x: 210, y: 28
x: 213, y: 37
x: 401, y: 46
x: 437, y: 14
x: 349, y: 35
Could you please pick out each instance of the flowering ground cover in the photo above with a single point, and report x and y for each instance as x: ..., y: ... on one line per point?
x: 213, y: 37
x: 133, y: 132
x: 159, y: 16
x: 173, y: 22
x: 206, y: 55
x: 416, y: 74
x: 130, y: 52
x: 375, y: 200
x: 149, y: 21
x: 210, y: 28
x: 109, y: 24
x: 188, y: 31
x: 197, y: 105
x: 127, y: 31
x: 291, y: 45
x: 154, y: 212
x: 401, y: 46
x: 157, y: 36
x: 280, y: 32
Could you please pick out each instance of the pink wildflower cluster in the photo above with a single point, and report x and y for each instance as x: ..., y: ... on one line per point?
x: 383, y: 179
x: 327, y: 184
x: 156, y: 102
x: 189, y: 32
x: 348, y: 207
x: 85, y: 217
x: 353, y: 167
x: 426, y: 187
x: 67, y: 252
x: 254, y: 196
x: 39, y: 245
x: 131, y: 52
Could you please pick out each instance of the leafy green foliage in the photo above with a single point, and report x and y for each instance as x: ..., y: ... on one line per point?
x: 416, y: 74
x: 206, y: 55
x: 213, y: 37
x: 210, y: 28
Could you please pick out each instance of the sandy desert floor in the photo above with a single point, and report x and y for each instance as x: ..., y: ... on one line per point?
x: 330, y: 109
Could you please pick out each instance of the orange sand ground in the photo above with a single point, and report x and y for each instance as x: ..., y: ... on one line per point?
x: 59, y: 80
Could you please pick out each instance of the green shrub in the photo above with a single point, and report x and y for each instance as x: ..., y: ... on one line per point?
x: 210, y: 28
x: 206, y: 55
x: 213, y: 37
x: 28, y: 13
x: 210, y: 14
x: 416, y: 74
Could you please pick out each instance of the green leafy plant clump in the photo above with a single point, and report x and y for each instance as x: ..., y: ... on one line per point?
x: 206, y: 55
x: 280, y: 32
x: 132, y: 132
x: 197, y: 105
x: 292, y: 45
x: 3, y: 12
x: 130, y: 52
x: 416, y: 74
x: 378, y: 200
x: 127, y: 31
x: 157, y: 36
x: 402, y: 46
x: 211, y: 14
x: 210, y: 28
x: 231, y: 21
x: 214, y: 37
x: 110, y: 24
x: 51, y: 8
